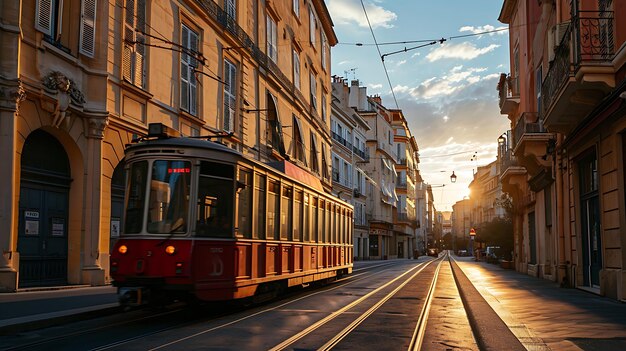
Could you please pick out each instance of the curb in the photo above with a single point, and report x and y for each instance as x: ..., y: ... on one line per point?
x: 44, y: 320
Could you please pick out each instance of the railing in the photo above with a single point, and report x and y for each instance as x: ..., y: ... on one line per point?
x: 338, y: 138
x: 508, y: 161
x: 508, y: 87
x: 336, y: 176
x: 402, y: 161
x: 362, y: 154
x: 215, y: 12
x: 401, y: 182
x: 589, y: 38
x: 527, y: 123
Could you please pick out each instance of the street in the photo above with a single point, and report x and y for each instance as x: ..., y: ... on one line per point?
x: 384, y: 305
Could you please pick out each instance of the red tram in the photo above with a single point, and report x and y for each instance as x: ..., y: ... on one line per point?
x: 202, y: 220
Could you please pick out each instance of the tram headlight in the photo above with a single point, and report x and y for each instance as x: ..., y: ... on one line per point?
x: 122, y: 249
x: 170, y: 250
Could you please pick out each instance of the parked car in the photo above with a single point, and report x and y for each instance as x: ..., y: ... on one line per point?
x: 462, y: 253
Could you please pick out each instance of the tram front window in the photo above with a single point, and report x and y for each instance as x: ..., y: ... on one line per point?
x: 168, y: 206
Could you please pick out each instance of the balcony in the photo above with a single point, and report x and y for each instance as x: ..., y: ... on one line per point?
x: 508, y: 92
x: 581, y: 73
x: 513, y: 176
x: 362, y: 154
x: 338, y: 138
x: 530, y: 143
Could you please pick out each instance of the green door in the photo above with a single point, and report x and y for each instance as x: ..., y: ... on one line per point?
x: 43, y: 212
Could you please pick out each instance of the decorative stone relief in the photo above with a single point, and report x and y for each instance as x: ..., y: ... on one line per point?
x: 95, y: 127
x: 65, y: 88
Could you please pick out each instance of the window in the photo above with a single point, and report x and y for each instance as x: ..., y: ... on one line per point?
x: 273, y: 204
x: 313, y: 157
x: 168, y: 206
x: 286, y: 213
x: 259, y: 206
x: 272, y: 49
x: 538, y: 78
x: 230, y: 6
x: 135, y: 201
x: 230, y: 95
x: 215, y: 200
x: 296, y: 8
x: 49, y: 16
x: 313, y: 91
x: 324, y: 50
x: 298, y: 141
x: 188, y: 64
x: 244, y: 201
x: 312, y: 27
x: 324, y: 107
x: 134, y: 50
x: 296, y: 69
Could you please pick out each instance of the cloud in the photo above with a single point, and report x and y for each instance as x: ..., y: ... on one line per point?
x: 350, y: 12
x: 463, y: 51
x: 486, y: 28
x: 453, y: 82
x: 375, y: 86
x: 401, y: 63
x: 345, y: 62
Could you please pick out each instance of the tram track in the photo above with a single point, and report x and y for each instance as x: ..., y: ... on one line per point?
x: 147, y: 317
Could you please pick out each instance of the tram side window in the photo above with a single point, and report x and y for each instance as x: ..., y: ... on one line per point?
x: 321, y: 225
x: 168, y: 207
x: 135, y: 197
x: 313, y: 220
x: 273, y: 204
x: 305, y: 220
x: 328, y: 221
x: 215, y: 200
x: 286, y: 213
x: 259, y: 204
x: 297, y: 216
x: 244, y: 197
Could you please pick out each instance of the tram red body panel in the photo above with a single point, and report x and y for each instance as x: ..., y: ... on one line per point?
x: 146, y: 259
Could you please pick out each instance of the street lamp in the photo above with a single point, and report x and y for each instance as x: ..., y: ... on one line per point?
x: 502, y: 138
x: 453, y: 177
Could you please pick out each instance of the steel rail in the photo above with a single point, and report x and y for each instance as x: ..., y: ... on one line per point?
x: 347, y: 330
x: 420, y: 327
x: 342, y: 310
x: 270, y: 309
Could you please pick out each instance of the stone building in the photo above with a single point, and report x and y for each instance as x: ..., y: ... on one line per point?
x: 80, y: 79
x: 566, y: 99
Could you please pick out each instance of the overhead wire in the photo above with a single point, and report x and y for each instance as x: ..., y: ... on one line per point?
x: 380, y: 55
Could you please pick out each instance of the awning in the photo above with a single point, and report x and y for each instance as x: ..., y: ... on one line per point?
x: 298, y: 174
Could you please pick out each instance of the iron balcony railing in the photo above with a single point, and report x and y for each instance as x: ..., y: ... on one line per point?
x: 509, y: 88
x: 588, y: 39
x: 508, y: 161
x: 527, y: 123
x: 361, y: 153
x: 338, y: 138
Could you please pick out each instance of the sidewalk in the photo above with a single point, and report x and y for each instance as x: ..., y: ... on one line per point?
x: 546, y: 317
x: 38, y: 308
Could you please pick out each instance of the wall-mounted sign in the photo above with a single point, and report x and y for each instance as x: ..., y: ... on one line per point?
x: 115, y: 228
x: 472, y: 232
x: 58, y: 226
x: 31, y: 222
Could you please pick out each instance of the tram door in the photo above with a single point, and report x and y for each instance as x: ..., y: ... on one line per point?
x: 43, y: 212
x: 117, y: 203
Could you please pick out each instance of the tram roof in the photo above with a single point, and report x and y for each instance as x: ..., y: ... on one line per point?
x: 197, y: 143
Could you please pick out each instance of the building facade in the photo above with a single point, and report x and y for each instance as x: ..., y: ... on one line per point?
x: 81, y: 79
x: 565, y: 97
x: 349, y: 154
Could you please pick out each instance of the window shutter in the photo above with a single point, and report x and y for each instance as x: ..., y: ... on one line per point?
x: 44, y: 16
x: 138, y: 69
x: 88, y: 28
x: 127, y: 57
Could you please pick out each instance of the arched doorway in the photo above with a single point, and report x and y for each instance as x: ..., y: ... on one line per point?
x: 117, y: 202
x: 43, y: 216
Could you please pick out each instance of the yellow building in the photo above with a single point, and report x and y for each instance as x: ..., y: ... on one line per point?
x: 79, y: 79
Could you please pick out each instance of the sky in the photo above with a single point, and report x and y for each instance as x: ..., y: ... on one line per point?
x: 447, y: 91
